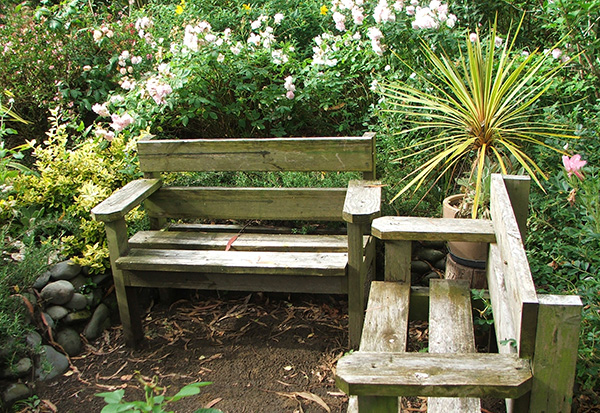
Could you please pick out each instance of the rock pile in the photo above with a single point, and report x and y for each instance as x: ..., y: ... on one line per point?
x: 69, y: 307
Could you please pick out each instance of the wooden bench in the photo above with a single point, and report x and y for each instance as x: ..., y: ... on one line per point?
x: 537, y: 335
x: 238, y: 257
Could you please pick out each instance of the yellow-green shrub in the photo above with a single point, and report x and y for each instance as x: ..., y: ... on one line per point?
x: 71, y: 179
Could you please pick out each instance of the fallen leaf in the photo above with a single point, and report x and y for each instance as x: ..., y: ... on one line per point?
x: 310, y: 397
x: 231, y: 241
x: 213, y: 402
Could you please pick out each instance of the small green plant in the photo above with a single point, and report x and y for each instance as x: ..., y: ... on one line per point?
x: 155, y: 400
x: 483, y: 317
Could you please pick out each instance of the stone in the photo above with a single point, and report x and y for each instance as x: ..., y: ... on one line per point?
x: 70, y: 341
x: 430, y: 276
x: 33, y: 339
x: 52, y: 364
x: 430, y: 255
x: 49, y: 321
x: 58, y: 292
x: 419, y: 267
x: 438, y: 245
x: 94, y: 327
x: 79, y: 282
x: 94, y: 297
x: 78, y: 302
x: 100, y: 278
x: 440, y: 264
x: 57, y: 312
x: 15, y: 392
x: 65, y: 270
x: 77, y: 316
x: 19, y: 369
x: 42, y: 280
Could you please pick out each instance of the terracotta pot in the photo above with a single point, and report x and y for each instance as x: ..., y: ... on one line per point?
x: 470, y: 254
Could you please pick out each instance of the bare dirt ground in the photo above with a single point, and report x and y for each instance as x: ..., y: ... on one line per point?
x: 262, y: 353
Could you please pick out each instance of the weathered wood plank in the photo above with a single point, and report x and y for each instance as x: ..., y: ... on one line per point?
x: 258, y: 229
x: 244, y: 241
x: 451, y: 331
x: 239, y: 282
x: 518, y: 187
x: 433, y: 375
x: 504, y: 317
x: 397, y: 261
x: 125, y: 199
x: 236, y: 262
x: 433, y: 229
x: 450, y: 317
x: 356, y: 283
x: 385, y: 329
x: 518, y: 281
x: 116, y: 236
x: 386, y: 320
x: 555, y: 357
x: 363, y: 202
x: 266, y: 154
x: 319, y: 204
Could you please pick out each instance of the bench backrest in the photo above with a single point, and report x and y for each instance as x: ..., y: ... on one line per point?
x: 323, y: 154
x: 266, y: 154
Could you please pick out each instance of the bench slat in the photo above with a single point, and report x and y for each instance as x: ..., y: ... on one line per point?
x: 236, y: 262
x: 315, y: 204
x: 433, y: 375
x: 238, y: 282
x: 433, y: 229
x: 451, y: 331
x: 267, y: 154
x: 243, y: 242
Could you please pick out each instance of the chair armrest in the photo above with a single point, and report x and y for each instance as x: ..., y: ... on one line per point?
x: 363, y: 202
x: 125, y: 199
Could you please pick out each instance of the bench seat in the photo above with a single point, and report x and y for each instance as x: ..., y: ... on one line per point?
x: 236, y: 262
x: 245, y: 241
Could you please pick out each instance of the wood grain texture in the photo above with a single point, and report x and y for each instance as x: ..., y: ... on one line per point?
x: 433, y: 229
x: 517, y: 280
x: 363, y: 202
x: 451, y: 331
x: 240, y: 282
x: 236, y: 262
x: 245, y: 241
x: 398, y: 255
x: 125, y: 199
x: 555, y: 356
x: 320, y: 204
x: 267, y: 154
x: 433, y: 375
x: 386, y: 320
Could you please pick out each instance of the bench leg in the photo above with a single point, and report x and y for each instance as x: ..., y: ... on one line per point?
x: 357, y: 283
x: 116, y: 237
x: 128, y: 310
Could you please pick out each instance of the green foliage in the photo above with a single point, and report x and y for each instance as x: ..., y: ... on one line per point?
x: 22, y: 263
x: 70, y: 180
x: 155, y: 400
x: 476, y: 110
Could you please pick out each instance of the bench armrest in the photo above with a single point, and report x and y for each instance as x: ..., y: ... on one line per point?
x: 363, y: 202
x: 125, y: 199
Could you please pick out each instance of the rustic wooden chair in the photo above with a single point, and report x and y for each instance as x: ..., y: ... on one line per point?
x: 238, y: 258
x: 536, y: 334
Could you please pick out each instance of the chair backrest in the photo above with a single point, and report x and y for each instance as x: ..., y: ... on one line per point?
x: 323, y: 154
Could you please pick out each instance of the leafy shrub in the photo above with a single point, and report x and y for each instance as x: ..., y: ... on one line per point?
x: 69, y: 182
